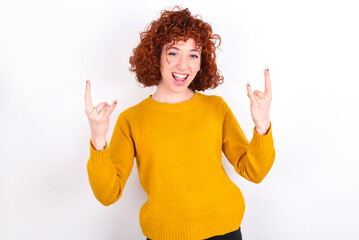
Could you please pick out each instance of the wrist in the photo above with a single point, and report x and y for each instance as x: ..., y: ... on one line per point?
x: 262, y: 129
x: 98, y: 143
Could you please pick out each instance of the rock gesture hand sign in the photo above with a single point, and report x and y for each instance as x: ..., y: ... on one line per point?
x: 99, y: 118
x: 260, y: 105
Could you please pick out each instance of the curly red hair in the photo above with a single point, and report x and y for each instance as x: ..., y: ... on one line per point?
x: 170, y: 27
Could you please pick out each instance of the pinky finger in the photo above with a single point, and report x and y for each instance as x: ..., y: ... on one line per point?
x: 250, y: 93
x: 109, y: 109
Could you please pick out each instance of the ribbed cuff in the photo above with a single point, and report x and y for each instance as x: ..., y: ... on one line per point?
x: 98, y: 158
x: 260, y: 141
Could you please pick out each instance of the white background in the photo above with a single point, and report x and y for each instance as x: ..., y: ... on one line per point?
x: 48, y: 49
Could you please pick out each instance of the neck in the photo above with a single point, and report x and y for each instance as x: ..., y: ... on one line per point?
x: 172, y: 97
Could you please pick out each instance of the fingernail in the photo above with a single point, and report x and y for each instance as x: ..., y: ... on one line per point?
x: 267, y: 69
x: 87, y: 81
x: 115, y: 102
x: 248, y: 84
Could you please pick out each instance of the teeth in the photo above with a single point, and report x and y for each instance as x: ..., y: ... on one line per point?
x: 180, y: 76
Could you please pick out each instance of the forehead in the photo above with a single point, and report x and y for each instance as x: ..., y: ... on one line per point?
x: 190, y: 43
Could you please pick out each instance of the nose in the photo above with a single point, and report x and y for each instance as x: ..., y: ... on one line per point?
x: 182, y: 62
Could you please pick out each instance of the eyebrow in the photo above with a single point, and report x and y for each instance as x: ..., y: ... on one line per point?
x: 193, y: 50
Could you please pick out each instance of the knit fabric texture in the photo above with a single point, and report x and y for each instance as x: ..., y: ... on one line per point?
x: 178, y: 152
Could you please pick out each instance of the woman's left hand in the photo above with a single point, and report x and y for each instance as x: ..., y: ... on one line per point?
x: 260, y: 105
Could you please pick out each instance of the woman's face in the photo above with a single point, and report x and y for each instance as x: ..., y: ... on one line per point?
x: 179, y: 65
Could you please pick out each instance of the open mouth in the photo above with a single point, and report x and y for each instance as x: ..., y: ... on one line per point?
x: 179, y: 77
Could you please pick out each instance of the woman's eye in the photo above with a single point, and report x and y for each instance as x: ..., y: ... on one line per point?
x: 194, y: 56
x: 172, y: 54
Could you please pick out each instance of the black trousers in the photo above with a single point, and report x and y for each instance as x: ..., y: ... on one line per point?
x: 235, y: 235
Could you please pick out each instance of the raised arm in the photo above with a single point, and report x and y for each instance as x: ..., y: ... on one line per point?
x: 252, y: 160
x: 108, y: 166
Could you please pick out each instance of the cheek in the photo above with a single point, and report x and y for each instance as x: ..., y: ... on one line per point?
x: 167, y: 64
x: 164, y: 66
x: 196, y: 66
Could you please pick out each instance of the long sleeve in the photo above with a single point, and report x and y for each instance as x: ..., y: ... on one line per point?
x: 109, y: 169
x: 252, y: 160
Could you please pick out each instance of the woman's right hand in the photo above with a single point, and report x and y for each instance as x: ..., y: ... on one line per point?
x: 99, y: 116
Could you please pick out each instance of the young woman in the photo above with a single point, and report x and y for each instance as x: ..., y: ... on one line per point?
x: 177, y: 136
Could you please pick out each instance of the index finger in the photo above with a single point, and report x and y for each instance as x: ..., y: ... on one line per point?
x: 267, y: 87
x: 88, y: 100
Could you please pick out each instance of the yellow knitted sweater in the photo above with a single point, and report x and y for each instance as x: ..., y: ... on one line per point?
x: 178, y: 151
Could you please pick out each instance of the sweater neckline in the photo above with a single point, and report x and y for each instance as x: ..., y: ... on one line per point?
x: 173, y: 107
